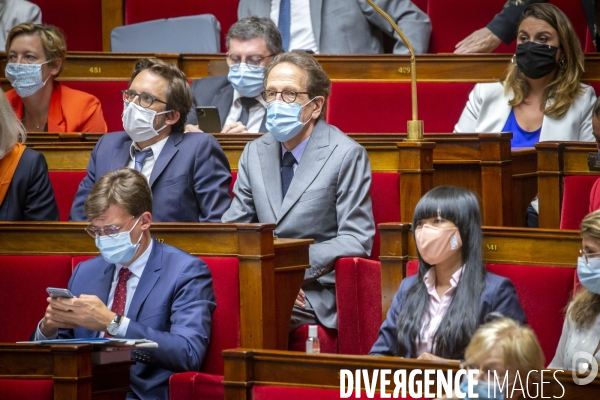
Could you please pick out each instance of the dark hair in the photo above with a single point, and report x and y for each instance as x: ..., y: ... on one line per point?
x: 124, y: 187
x: 318, y: 83
x: 179, y: 94
x: 461, y: 319
x: 255, y: 27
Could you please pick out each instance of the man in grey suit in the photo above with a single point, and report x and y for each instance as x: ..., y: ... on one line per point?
x: 309, y: 178
x: 252, y: 43
x: 342, y: 26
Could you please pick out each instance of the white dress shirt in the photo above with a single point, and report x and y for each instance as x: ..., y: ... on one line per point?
x: 150, y: 161
x: 256, y: 116
x: 296, y: 152
x: 136, y: 268
x: 301, y: 29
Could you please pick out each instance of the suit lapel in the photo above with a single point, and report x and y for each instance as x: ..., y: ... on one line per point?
x: 121, y: 156
x: 315, y: 155
x: 147, y: 280
x: 315, y: 17
x: 223, y: 101
x: 167, y: 153
x: 269, y: 152
x: 263, y: 125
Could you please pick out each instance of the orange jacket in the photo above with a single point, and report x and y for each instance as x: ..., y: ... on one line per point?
x: 70, y: 110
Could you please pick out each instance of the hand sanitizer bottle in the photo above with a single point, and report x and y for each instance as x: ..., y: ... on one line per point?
x: 312, y: 343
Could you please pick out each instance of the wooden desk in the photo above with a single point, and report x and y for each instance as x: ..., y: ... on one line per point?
x: 69, y: 366
x: 246, y: 368
x: 500, y: 246
x: 556, y: 160
x: 271, y: 271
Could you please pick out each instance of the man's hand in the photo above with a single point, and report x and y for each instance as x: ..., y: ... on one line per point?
x: 86, y: 311
x: 301, y: 300
x: 480, y: 41
x: 192, y: 128
x: 236, y: 127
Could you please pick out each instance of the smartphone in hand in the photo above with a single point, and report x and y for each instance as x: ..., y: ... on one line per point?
x: 208, y: 119
x: 57, y: 292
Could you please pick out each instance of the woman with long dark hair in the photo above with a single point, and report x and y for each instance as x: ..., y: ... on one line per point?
x: 437, y: 311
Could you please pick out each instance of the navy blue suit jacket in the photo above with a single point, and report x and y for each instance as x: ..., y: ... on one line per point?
x: 190, y: 179
x: 172, y: 305
x: 498, y: 295
x: 30, y: 196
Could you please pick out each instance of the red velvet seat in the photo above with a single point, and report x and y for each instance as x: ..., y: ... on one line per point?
x: 111, y: 99
x: 23, y: 295
x: 27, y: 389
x: 81, y: 21
x: 225, y: 334
x: 65, y: 184
x: 451, y: 24
x: 260, y: 392
x: 385, y: 198
x: 388, y: 106
x: 146, y: 10
x: 576, y: 200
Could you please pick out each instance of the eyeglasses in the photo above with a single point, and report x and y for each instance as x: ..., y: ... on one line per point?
x: 108, y: 230
x: 144, y: 99
x: 289, y: 96
x: 234, y: 61
x: 586, y: 256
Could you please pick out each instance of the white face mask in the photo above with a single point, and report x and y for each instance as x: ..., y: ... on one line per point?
x: 26, y: 79
x: 138, y: 122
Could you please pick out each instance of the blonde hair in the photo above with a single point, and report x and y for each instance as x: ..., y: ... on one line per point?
x: 585, y: 307
x: 53, y: 40
x: 517, y: 343
x: 566, y: 86
x: 125, y: 187
x: 11, y: 129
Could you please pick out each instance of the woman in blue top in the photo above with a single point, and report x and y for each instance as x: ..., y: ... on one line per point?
x: 435, y: 313
x: 540, y: 97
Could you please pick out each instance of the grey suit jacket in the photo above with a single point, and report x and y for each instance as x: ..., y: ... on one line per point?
x: 354, y: 27
x: 215, y: 91
x: 328, y: 200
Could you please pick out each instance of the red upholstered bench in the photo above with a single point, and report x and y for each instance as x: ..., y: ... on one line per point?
x: 24, y: 280
x: 385, y: 198
x: 27, y: 389
x: 451, y: 24
x: 109, y: 94
x: 225, y: 334
x: 545, y: 314
x: 260, y: 392
x: 576, y: 199
x: 388, y: 106
x: 65, y: 184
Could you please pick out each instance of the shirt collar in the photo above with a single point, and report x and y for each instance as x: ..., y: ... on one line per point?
x: 156, y: 148
x: 237, y: 95
x: 430, y: 278
x: 296, y: 151
x: 137, y: 267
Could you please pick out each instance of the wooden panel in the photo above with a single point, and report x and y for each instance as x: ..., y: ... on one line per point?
x: 271, y: 270
x: 112, y: 17
x: 70, y: 366
x: 246, y: 368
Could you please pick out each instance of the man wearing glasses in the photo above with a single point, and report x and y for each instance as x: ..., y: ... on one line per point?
x: 252, y: 43
x: 309, y: 178
x: 188, y: 173
x: 138, y: 288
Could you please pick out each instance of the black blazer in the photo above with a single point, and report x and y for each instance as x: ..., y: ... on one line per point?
x: 498, y: 295
x: 30, y: 196
x: 213, y: 91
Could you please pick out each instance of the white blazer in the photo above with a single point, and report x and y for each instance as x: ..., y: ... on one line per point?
x: 487, y: 111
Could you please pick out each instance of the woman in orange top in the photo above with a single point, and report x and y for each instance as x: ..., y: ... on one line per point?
x: 36, y: 54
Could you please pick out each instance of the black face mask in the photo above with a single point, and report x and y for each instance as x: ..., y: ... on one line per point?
x: 536, y: 60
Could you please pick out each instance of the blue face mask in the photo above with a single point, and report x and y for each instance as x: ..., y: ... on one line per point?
x: 283, y: 119
x: 589, y: 274
x: 481, y: 389
x: 248, y: 81
x: 26, y: 79
x: 118, y: 248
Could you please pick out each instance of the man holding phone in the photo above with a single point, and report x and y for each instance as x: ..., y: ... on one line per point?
x: 138, y: 288
x: 252, y: 42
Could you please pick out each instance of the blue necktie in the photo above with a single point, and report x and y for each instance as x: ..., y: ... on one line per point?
x: 284, y: 23
x: 247, y: 104
x: 140, y: 158
x: 287, y: 171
